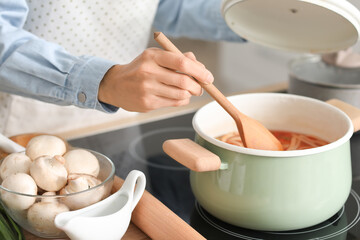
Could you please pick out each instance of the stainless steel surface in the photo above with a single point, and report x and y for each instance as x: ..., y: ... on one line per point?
x: 311, y: 77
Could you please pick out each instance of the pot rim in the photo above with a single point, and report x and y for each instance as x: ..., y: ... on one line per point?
x: 268, y: 153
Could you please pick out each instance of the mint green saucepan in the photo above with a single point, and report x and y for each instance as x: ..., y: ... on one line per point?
x: 270, y: 190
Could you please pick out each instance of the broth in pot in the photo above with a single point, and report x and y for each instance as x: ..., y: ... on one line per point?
x: 289, y: 140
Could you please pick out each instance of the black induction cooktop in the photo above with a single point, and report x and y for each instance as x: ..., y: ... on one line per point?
x: 140, y: 147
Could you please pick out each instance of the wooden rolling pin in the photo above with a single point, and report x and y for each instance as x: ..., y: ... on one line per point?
x: 158, y: 221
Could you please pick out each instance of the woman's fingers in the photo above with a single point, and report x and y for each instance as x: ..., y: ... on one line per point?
x: 185, y: 65
x: 155, y: 79
x: 154, y: 95
x: 160, y: 102
x: 191, y: 55
x: 180, y: 81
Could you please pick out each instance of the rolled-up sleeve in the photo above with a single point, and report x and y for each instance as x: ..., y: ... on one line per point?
x: 33, y: 67
x: 200, y: 19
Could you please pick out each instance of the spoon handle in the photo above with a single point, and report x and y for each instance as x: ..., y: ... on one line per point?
x: 166, y: 44
x: 222, y: 100
x: 10, y: 146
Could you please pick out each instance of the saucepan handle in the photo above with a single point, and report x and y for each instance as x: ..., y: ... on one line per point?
x: 350, y: 110
x: 192, y: 155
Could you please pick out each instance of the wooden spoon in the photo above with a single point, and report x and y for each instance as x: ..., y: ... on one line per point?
x: 253, y: 134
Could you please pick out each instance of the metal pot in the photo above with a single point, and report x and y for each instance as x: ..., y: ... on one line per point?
x: 312, y: 77
x: 326, y: 77
x: 271, y: 190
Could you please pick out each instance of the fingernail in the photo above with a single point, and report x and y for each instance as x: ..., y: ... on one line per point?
x: 202, y: 92
x: 209, y: 78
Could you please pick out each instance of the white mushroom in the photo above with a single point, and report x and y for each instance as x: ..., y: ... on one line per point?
x: 81, y: 182
x: 49, y: 199
x: 45, y: 145
x: 22, y: 183
x: 49, y: 172
x: 81, y: 161
x: 15, y: 163
x: 41, y: 216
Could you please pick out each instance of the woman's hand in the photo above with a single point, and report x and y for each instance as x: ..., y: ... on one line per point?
x: 153, y: 80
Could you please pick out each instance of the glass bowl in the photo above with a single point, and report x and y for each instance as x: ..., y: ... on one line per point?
x: 50, y: 205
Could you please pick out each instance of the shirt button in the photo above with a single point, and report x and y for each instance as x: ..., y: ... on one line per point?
x: 81, y: 97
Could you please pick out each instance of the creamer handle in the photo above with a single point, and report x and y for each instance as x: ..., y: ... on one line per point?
x: 350, y: 110
x: 134, y: 179
x: 191, y: 155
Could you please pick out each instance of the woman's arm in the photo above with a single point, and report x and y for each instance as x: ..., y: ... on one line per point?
x: 33, y: 67
x: 200, y: 19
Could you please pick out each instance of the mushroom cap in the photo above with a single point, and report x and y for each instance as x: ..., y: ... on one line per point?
x: 81, y: 182
x: 49, y: 172
x: 22, y: 183
x: 15, y: 163
x: 45, y: 145
x: 82, y: 161
x: 49, y: 199
x: 41, y: 216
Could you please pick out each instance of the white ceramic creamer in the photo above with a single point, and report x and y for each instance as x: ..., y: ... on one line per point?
x: 107, y: 219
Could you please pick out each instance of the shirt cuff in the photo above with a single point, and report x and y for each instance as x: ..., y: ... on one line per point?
x: 88, y: 73
x: 224, y: 31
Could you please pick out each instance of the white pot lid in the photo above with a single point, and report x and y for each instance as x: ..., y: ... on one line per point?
x: 313, y: 26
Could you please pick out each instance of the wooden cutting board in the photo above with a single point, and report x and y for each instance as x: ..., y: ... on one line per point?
x: 133, y: 232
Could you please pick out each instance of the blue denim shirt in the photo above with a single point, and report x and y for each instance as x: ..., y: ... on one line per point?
x: 33, y: 67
